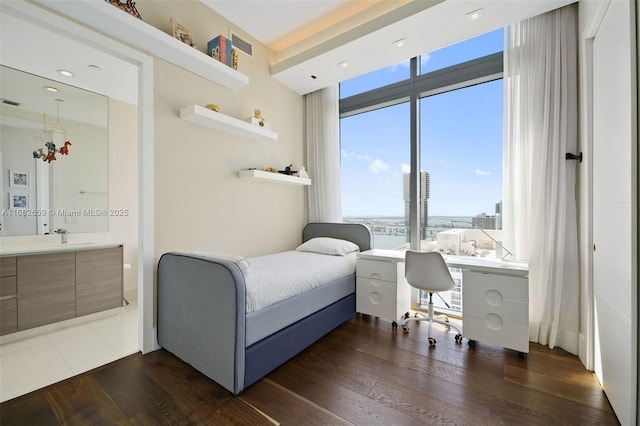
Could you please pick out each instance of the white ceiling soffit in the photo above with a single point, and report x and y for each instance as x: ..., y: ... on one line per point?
x: 425, y: 25
x: 36, y: 50
x: 272, y: 21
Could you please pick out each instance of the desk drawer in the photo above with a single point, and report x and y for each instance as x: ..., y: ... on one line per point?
x: 509, y: 312
x: 378, y: 270
x: 376, y: 297
x: 494, y: 287
x: 489, y: 330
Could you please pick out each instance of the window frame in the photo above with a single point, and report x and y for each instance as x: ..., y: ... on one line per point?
x: 466, y: 74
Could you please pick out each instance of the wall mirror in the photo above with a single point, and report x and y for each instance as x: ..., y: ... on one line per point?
x: 70, y: 192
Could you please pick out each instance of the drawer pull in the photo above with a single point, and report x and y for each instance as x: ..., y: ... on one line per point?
x: 375, y: 276
x: 493, y: 321
x: 375, y: 298
x: 493, y: 298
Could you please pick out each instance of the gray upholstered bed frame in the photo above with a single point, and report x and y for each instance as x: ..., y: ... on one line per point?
x: 202, y: 318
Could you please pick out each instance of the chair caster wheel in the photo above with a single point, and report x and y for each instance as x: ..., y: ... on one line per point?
x: 432, y: 341
x: 394, y: 325
x: 405, y: 328
x: 415, y: 315
x: 472, y: 343
x: 522, y: 355
x: 406, y: 315
x: 458, y: 338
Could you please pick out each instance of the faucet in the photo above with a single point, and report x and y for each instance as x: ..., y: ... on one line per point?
x: 63, y: 235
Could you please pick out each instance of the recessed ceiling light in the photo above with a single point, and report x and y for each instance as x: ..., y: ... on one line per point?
x: 343, y: 64
x: 51, y: 89
x: 400, y: 43
x: 66, y: 73
x: 476, y: 14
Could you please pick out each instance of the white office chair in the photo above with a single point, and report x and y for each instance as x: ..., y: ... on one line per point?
x: 428, y: 271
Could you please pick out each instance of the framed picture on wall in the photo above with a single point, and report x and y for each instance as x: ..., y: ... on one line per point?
x: 19, y: 179
x: 18, y: 201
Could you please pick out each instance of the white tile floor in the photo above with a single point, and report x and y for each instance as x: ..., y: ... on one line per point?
x: 38, y: 361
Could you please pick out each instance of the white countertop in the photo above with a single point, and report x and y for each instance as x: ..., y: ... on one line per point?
x: 13, y: 250
x: 465, y: 262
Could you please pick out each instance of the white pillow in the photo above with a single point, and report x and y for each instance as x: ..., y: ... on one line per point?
x: 330, y: 246
x: 242, y: 263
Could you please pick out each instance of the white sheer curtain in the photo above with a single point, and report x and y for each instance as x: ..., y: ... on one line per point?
x: 539, y: 207
x: 323, y: 155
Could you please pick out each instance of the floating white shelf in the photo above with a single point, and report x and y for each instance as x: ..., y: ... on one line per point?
x: 130, y: 30
x: 273, y: 177
x: 206, y: 117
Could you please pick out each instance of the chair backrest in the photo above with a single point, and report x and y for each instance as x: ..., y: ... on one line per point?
x: 427, y: 271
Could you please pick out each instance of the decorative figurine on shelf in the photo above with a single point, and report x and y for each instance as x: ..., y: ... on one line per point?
x: 234, y: 59
x: 212, y: 107
x: 258, y: 115
x: 287, y: 170
x: 129, y: 7
x: 302, y: 172
x: 271, y: 170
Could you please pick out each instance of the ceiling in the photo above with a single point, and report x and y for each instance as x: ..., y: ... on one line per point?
x: 311, y: 37
x: 279, y: 24
x: 43, y: 52
x: 308, y: 38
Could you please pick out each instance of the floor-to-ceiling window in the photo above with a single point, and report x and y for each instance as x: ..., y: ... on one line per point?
x: 455, y: 137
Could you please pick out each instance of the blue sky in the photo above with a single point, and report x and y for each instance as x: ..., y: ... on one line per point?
x: 461, y: 148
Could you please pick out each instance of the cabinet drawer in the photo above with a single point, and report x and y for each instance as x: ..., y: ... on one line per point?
x: 8, y: 286
x: 98, y: 280
x: 46, y: 289
x: 376, y: 297
x: 508, y: 312
x: 478, y: 285
x: 7, y: 266
x: 8, y: 316
x: 378, y: 270
x: 489, y: 330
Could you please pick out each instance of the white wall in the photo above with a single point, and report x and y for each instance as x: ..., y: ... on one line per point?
x: 200, y: 204
x: 17, y: 158
x: 123, y: 185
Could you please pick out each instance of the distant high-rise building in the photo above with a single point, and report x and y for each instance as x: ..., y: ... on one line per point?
x: 424, y: 204
x: 483, y: 221
x: 499, y: 215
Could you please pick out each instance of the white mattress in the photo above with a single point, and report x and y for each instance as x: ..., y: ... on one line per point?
x: 277, y: 277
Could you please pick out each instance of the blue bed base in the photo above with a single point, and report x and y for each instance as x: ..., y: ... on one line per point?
x: 271, y: 352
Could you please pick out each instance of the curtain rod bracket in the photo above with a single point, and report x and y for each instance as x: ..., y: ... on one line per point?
x: 570, y: 156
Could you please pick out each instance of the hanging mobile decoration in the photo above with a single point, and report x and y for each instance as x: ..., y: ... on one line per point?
x: 47, y: 137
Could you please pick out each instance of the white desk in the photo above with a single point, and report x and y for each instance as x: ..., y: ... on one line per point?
x: 495, y: 295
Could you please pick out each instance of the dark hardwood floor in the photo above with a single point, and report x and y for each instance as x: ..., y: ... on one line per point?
x: 362, y: 373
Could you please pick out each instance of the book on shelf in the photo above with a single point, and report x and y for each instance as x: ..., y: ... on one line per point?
x: 219, y: 48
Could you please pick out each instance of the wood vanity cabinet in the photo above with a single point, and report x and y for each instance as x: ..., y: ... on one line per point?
x: 98, y: 280
x: 8, y: 296
x: 46, y: 288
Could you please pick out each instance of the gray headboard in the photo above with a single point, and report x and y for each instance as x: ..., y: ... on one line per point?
x: 354, y: 232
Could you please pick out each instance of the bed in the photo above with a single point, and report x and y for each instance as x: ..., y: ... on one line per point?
x: 235, y: 334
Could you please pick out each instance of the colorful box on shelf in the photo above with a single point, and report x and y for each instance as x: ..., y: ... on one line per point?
x: 220, y: 48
